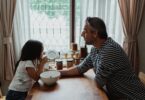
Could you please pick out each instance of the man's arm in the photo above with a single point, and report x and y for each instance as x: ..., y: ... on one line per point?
x: 84, y: 66
x: 73, y: 71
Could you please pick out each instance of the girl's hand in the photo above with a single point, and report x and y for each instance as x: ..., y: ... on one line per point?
x: 44, y: 60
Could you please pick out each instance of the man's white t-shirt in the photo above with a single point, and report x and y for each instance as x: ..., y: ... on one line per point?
x: 21, y: 81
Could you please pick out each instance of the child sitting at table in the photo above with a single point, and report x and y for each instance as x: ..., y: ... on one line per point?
x: 29, y: 67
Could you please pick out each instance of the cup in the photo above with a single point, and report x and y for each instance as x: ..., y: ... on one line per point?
x: 76, y: 55
x: 77, y: 61
x: 65, y: 55
x: 74, y: 47
x: 59, y: 64
x: 83, y: 52
x: 69, y: 63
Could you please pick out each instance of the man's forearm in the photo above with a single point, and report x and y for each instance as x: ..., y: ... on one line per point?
x: 73, y: 71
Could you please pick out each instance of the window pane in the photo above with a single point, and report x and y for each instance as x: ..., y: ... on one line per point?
x: 50, y: 23
x: 108, y: 10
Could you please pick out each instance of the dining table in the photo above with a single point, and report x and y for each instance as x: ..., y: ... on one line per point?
x: 69, y: 88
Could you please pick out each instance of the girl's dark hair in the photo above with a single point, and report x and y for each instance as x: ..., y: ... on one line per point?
x: 99, y: 25
x: 31, y: 51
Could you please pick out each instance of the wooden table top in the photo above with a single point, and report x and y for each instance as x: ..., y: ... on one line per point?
x: 70, y: 88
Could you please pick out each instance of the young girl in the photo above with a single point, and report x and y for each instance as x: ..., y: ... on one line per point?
x: 28, y: 70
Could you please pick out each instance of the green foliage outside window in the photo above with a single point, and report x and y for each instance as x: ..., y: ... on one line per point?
x: 52, y: 8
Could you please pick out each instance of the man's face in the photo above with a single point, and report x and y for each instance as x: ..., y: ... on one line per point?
x: 88, y: 35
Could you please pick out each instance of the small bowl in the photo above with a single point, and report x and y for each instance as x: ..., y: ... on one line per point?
x: 50, y: 77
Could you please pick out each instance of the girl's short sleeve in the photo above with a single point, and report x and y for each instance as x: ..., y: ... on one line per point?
x: 29, y: 64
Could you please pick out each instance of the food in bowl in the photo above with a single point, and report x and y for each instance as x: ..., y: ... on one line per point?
x: 50, y: 77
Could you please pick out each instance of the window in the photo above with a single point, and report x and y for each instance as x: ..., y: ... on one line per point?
x: 50, y: 23
x: 57, y: 22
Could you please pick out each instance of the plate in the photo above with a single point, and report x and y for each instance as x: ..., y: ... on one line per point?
x: 52, y: 54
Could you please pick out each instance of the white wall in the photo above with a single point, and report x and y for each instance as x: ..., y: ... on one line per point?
x: 141, y: 41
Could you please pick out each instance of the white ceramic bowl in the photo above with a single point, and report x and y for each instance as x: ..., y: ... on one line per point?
x: 50, y: 77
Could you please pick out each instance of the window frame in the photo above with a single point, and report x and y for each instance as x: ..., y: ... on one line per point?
x: 72, y: 21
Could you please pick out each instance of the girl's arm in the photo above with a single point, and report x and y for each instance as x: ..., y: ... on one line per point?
x: 35, y: 73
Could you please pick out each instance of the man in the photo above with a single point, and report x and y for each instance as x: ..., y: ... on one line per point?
x: 110, y: 64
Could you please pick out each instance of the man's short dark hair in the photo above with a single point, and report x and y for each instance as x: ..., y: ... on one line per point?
x: 98, y: 25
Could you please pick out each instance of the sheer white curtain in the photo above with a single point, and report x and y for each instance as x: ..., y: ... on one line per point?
x: 30, y: 23
x: 108, y: 10
x: 21, y: 26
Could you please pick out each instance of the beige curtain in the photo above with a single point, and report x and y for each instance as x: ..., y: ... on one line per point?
x: 132, y: 12
x: 7, y: 8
